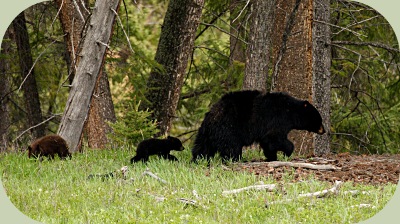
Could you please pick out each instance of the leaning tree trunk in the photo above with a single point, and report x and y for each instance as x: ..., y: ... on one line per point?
x: 29, y: 86
x: 301, y: 64
x: 258, y: 49
x: 321, y: 69
x: 73, y: 16
x: 90, y: 64
x: 4, y: 91
x: 174, y: 49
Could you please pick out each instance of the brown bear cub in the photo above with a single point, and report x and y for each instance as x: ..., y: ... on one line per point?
x: 160, y: 147
x: 49, y: 145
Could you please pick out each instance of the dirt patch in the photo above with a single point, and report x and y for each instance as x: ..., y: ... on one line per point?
x: 368, y: 169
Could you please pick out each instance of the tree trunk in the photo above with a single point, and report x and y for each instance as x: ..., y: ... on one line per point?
x: 4, y: 91
x: 87, y: 73
x: 101, y: 111
x: 293, y: 59
x: 73, y: 15
x: 174, y: 49
x: 29, y: 87
x: 258, y: 49
x: 302, y: 63
x: 321, y: 71
x: 237, y: 47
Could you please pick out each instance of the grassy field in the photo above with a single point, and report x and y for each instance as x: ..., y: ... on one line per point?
x: 59, y: 192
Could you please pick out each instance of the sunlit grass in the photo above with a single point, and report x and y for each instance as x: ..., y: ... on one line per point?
x: 59, y: 192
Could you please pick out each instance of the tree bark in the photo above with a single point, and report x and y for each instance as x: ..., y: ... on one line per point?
x: 173, y: 52
x: 237, y: 47
x: 4, y: 91
x: 302, y: 64
x: 321, y: 72
x: 29, y: 86
x: 101, y: 111
x: 87, y: 73
x: 258, y: 49
x: 73, y: 16
x: 293, y: 59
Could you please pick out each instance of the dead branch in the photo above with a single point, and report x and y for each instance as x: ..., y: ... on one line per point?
x: 355, y: 192
x: 48, y: 119
x: 276, y: 164
x: 122, y: 27
x: 149, y: 173
x: 336, y: 26
x: 319, y: 194
x: 373, y: 44
x: 324, y: 193
x: 224, y: 31
x: 363, y: 206
x: 241, y: 11
x: 188, y: 202
x: 269, y: 187
x: 34, y: 63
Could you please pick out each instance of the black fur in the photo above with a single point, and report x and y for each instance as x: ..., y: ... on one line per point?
x: 160, y: 147
x: 242, y: 118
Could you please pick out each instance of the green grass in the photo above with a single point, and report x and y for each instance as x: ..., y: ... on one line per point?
x: 59, y: 192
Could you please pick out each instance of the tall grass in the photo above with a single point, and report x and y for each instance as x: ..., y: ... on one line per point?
x: 59, y: 192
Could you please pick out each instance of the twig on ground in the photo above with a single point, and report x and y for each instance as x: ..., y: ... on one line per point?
x: 303, y: 165
x: 196, y: 195
x: 355, y: 192
x: 269, y: 187
x: 149, y: 173
x: 188, y: 202
x: 363, y: 206
x: 318, y: 194
x: 324, y: 193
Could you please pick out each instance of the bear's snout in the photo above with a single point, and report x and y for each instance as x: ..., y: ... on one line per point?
x: 321, y: 130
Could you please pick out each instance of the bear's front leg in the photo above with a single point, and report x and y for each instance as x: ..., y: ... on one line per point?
x: 168, y: 156
x: 269, y: 153
x: 272, y: 144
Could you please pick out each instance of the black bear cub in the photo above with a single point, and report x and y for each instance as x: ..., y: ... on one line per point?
x: 244, y: 117
x: 160, y: 147
x: 48, y: 146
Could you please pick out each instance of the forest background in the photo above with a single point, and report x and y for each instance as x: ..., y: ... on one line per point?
x: 364, y: 74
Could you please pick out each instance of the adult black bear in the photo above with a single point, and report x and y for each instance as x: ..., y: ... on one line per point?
x: 49, y: 145
x: 242, y: 118
x: 160, y: 147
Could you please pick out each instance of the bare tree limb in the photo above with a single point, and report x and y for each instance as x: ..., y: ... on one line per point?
x: 48, y: 119
x: 269, y: 187
x: 373, y: 44
x: 276, y: 164
x: 224, y: 31
x: 149, y: 173
x: 333, y: 25
x: 319, y: 194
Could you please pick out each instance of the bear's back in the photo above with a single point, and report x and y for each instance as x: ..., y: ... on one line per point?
x: 237, y: 105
